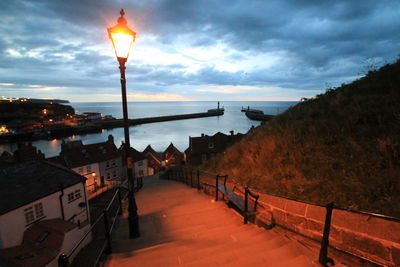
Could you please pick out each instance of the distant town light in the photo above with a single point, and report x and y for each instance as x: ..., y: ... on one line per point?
x: 122, y: 37
x: 3, y: 129
x: 44, y: 111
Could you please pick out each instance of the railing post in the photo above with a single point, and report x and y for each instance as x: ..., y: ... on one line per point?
x: 120, y: 202
x: 216, y: 188
x: 323, y: 254
x: 198, y: 179
x: 246, y: 205
x: 186, y: 176
x: 63, y: 260
x: 108, y: 249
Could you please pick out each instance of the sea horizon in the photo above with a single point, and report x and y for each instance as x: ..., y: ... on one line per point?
x: 159, y: 135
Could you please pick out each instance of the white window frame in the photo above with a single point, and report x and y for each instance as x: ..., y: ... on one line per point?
x: 34, y: 213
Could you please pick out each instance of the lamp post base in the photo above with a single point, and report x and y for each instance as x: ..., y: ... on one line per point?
x: 133, y: 217
x: 133, y: 221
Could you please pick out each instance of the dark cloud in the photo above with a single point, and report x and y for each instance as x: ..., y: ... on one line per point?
x: 318, y: 42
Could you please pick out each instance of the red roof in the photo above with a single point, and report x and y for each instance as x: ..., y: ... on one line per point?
x: 41, y: 244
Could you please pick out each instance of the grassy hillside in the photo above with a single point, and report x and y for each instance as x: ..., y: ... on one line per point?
x: 341, y: 146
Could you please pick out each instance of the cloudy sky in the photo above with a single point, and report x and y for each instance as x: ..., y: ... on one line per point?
x: 193, y: 49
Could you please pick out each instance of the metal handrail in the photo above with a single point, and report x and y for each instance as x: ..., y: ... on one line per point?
x: 65, y: 257
x: 377, y: 215
x: 112, y: 200
x: 84, y: 236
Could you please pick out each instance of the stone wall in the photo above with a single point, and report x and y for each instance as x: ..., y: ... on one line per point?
x: 366, y: 236
x: 370, y: 237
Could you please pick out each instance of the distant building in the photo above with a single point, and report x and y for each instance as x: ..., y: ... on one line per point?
x: 206, y: 147
x: 27, y: 152
x: 100, y: 163
x: 44, y: 212
x: 154, y: 159
x: 140, y: 162
x: 92, y: 115
x: 172, y: 156
x: 24, y: 153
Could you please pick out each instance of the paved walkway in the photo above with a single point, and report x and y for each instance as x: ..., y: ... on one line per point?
x: 182, y: 227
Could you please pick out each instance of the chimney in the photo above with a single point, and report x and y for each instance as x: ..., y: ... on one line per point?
x: 202, y: 135
x: 111, y: 139
x: 231, y: 132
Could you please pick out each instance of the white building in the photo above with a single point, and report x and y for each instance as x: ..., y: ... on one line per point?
x: 100, y: 163
x: 140, y: 162
x: 44, y: 207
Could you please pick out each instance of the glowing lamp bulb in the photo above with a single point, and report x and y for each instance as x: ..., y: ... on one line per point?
x: 122, y: 37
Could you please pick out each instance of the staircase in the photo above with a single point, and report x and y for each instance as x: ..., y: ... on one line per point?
x: 181, y: 227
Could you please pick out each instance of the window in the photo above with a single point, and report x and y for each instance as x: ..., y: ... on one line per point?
x: 33, y: 213
x: 74, y: 195
x: 211, y: 145
x: 39, y: 210
x: 88, y: 168
x: 108, y: 176
x: 29, y: 216
x: 107, y: 164
x: 141, y: 173
x: 70, y: 197
x: 77, y: 193
x: 113, y: 162
x: 114, y: 174
x: 140, y: 163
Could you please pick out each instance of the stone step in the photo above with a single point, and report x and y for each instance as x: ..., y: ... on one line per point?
x: 148, y: 238
x: 180, y: 226
x: 237, y: 249
x: 299, y: 261
x: 190, y: 250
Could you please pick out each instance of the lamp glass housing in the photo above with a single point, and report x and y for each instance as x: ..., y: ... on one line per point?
x: 122, y: 37
x: 122, y: 43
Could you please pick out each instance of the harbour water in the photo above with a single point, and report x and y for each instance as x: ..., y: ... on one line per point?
x: 161, y: 134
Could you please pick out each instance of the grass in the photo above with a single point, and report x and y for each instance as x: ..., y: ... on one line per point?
x: 341, y: 146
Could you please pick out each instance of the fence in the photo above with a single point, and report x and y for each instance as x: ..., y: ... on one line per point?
x: 367, y: 236
x: 103, y: 226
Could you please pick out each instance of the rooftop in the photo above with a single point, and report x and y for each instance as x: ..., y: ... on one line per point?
x: 23, y: 183
x: 76, y: 154
x: 41, y: 243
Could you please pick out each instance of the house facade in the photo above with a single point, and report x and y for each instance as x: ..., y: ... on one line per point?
x: 39, y: 192
x: 205, y: 147
x: 172, y: 156
x: 154, y: 160
x: 100, y: 163
x: 140, y: 162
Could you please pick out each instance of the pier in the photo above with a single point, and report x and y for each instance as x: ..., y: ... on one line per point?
x: 132, y: 122
x: 59, y: 131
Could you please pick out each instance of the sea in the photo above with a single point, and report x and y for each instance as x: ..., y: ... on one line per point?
x: 161, y: 134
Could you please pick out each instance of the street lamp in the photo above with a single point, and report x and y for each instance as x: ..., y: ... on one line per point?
x: 122, y: 39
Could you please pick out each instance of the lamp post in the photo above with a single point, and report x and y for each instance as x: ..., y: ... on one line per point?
x: 122, y: 39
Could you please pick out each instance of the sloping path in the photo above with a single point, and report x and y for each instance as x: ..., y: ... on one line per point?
x: 182, y: 227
